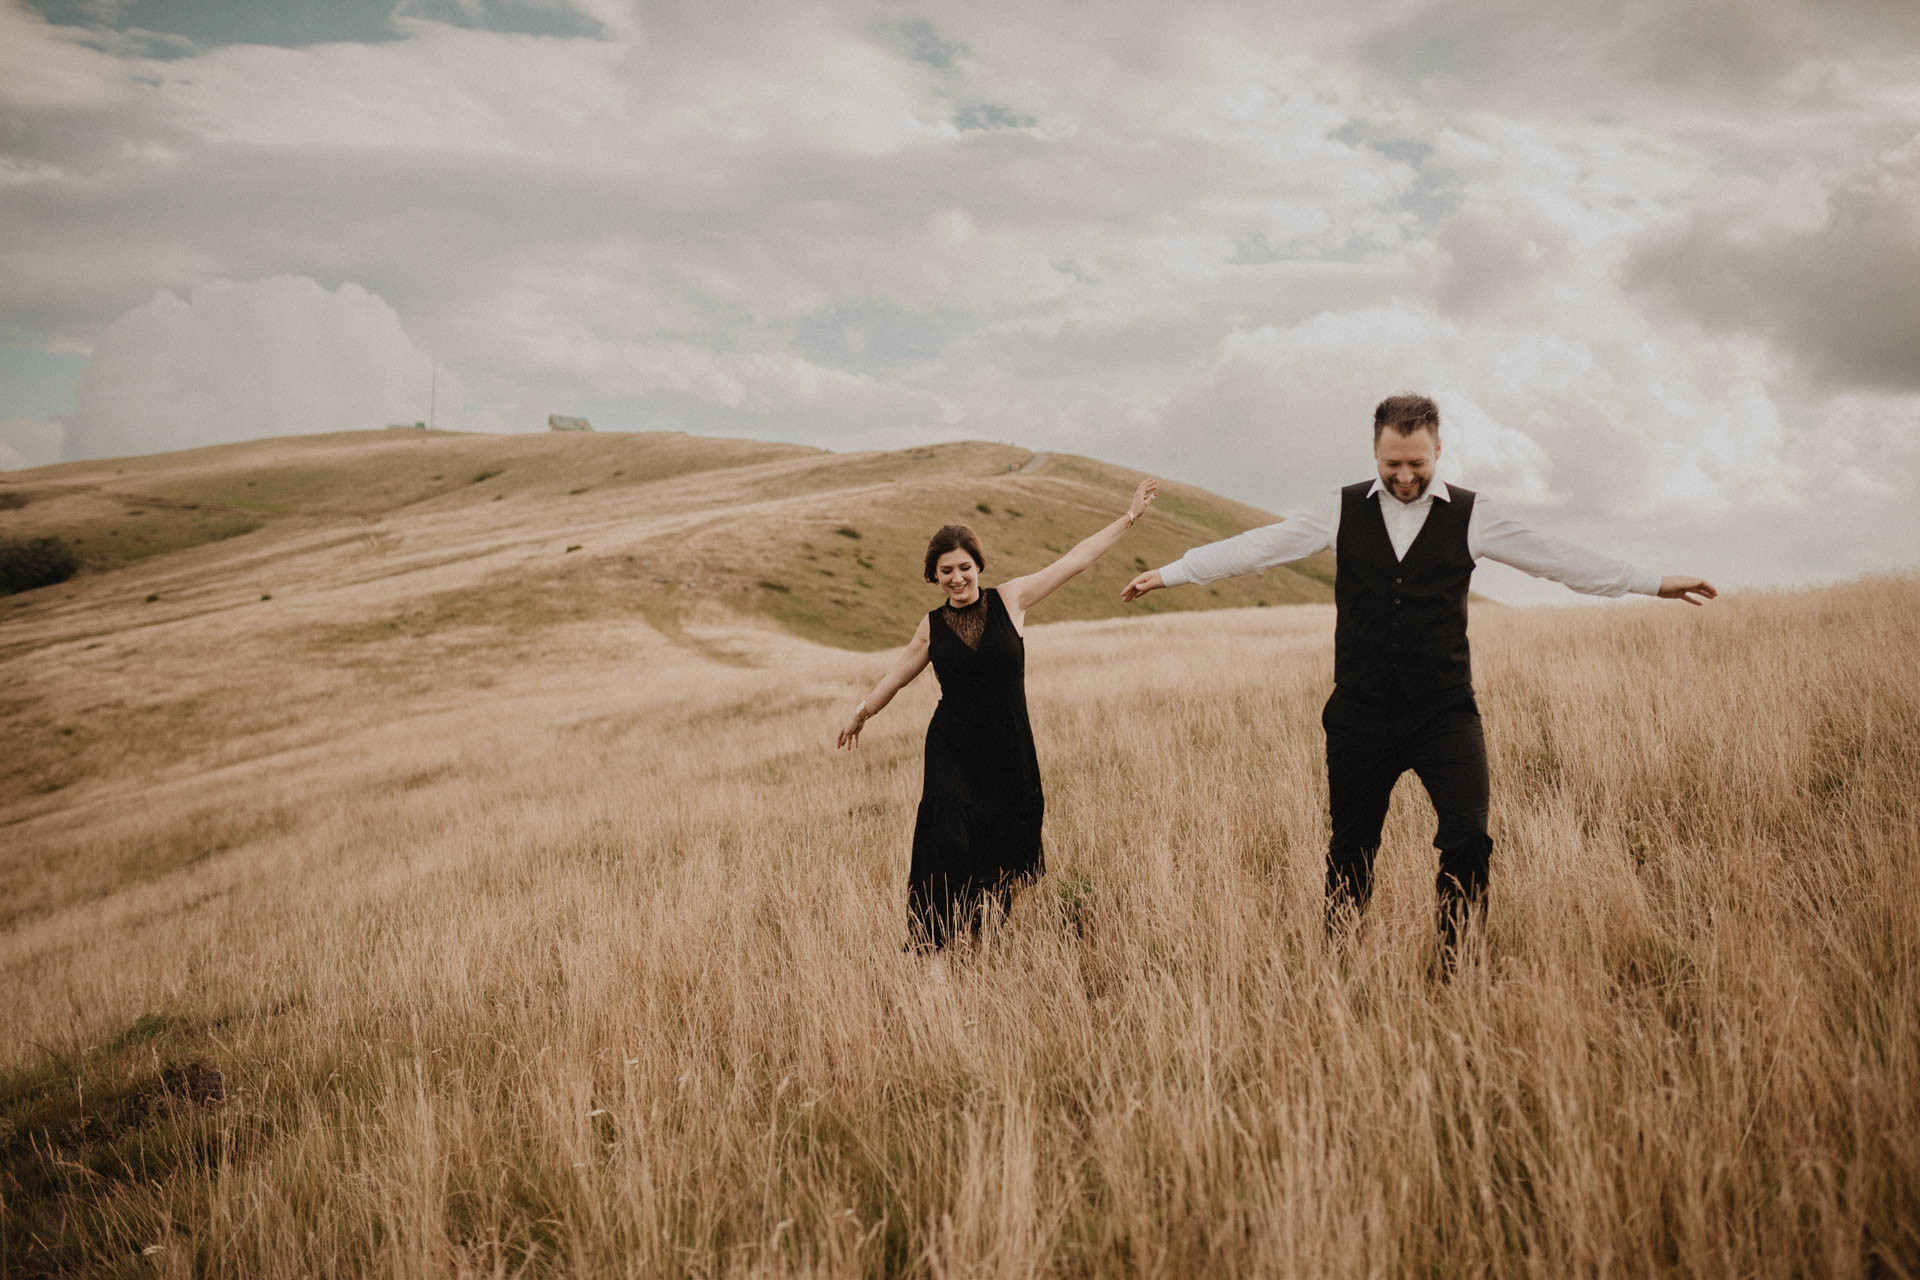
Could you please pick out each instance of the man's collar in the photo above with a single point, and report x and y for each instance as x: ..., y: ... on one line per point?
x: 1438, y: 489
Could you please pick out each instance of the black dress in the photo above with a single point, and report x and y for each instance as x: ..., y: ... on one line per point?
x: 977, y: 836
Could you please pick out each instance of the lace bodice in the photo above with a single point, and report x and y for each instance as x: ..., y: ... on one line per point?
x: 969, y: 622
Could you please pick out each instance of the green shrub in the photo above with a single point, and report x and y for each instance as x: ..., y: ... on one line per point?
x: 26, y: 563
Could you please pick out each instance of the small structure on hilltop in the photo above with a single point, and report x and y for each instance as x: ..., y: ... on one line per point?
x: 560, y: 422
x: 406, y: 426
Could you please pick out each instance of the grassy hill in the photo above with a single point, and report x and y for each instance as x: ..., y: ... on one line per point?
x: 410, y: 533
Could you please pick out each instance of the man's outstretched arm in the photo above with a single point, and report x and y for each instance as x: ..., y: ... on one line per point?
x: 1295, y: 538
x: 1498, y: 536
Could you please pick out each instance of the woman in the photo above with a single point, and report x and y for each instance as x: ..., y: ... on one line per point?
x: 977, y: 836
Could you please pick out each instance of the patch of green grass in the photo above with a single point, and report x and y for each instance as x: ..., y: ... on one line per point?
x: 101, y: 547
x: 1074, y: 899
x: 29, y: 563
x: 485, y: 474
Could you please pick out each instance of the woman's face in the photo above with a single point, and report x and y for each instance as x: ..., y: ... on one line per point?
x: 956, y: 574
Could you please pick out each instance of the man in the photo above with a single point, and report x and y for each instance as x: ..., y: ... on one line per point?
x: 1404, y: 550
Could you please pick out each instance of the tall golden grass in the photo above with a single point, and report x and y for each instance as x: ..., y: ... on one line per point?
x: 597, y: 972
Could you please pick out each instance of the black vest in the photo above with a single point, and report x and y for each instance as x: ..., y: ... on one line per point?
x: 1401, y: 626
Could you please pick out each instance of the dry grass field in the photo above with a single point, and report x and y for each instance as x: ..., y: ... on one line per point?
x: 563, y: 943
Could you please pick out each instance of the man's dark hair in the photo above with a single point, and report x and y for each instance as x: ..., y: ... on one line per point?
x: 953, y: 537
x: 1406, y: 414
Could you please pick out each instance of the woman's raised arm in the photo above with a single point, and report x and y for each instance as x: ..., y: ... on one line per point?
x: 1021, y: 594
x: 913, y: 660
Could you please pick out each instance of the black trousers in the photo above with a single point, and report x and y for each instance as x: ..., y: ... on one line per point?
x: 1370, y: 743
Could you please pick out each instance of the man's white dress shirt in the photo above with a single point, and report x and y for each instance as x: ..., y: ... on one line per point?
x: 1491, y: 533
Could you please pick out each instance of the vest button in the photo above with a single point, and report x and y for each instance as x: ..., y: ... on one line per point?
x: 1396, y: 599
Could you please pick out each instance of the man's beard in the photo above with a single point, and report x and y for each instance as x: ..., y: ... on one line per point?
x: 1420, y: 484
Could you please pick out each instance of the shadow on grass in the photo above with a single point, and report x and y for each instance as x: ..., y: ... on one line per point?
x: 81, y: 1131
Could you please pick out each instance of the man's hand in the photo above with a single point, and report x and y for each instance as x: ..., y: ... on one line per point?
x: 1149, y: 581
x: 1679, y: 587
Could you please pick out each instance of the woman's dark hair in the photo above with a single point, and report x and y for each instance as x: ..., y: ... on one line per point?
x: 953, y: 537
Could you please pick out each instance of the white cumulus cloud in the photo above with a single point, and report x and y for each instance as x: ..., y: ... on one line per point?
x: 241, y: 360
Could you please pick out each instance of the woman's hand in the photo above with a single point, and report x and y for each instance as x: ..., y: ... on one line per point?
x: 1142, y: 499
x: 850, y: 732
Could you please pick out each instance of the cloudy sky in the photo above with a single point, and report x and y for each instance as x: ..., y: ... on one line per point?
x: 1659, y: 260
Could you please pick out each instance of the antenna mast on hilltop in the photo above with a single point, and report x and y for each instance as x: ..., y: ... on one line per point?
x: 433, y: 394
